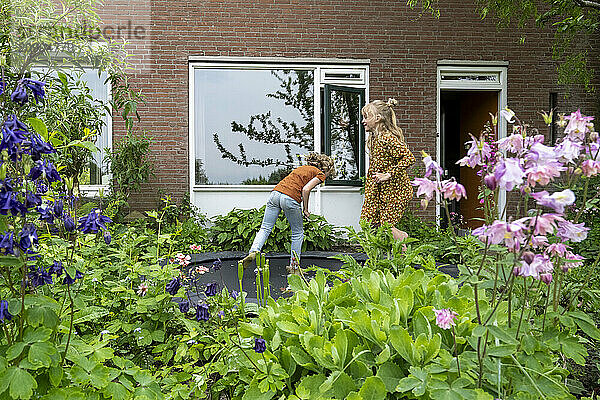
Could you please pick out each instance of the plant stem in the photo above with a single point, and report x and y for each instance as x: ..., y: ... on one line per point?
x: 525, y: 289
x: 456, y: 351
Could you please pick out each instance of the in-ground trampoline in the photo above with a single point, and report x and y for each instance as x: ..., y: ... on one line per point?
x: 227, y: 275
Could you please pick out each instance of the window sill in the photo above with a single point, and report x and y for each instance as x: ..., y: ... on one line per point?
x: 93, y: 190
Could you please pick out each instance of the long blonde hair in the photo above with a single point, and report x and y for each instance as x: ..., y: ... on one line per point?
x: 387, y: 121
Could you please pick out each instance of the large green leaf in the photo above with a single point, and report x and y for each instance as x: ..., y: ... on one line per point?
x: 586, y: 323
x: 403, y: 344
x: 390, y: 374
x: 373, y: 389
x: 39, y: 126
x: 337, y: 385
x: 415, y: 382
x: 41, y: 354
x: 116, y: 391
x: 20, y: 382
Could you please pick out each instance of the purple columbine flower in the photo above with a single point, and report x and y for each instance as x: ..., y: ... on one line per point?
x: 56, y: 268
x: 9, y: 203
x: 32, y: 199
x: 58, y: 208
x: 202, y: 313
x: 217, y: 264
x: 173, y: 286
x: 44, y: 169
x: 211, y: 289
x: 19, y: 95
x: 93, y: 221
x: 37, y: 87
x: 6, y: 243
x: 46, y: 213
x: 234, y: 294
x: 106, y: 236
x: 39, y: 277
x: 69, y: 281
x: 28, y: 237
x: 4, y: 314
x: 68, y: 223
x: 36, y: 147
x: 184, y: 306
x: 13, y: 134
x: 260, y: 345
x: 2, y: 84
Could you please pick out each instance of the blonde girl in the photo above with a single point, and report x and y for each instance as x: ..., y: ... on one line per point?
x: 387, y: 187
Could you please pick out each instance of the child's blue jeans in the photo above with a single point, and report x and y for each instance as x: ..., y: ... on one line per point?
x: 293, y: 213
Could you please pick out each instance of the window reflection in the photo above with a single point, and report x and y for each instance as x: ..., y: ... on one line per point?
x: 251, y: 125
x: 345, y: 130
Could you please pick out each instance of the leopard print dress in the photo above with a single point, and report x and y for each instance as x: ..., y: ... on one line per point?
x: 387, y: 201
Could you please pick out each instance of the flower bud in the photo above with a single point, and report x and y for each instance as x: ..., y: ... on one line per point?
x: 546, y: 278
x: 424, y: 203
x: 3, y: 171
x: 516, y: 271
x: 528, y: 257
x: 593, y: 136
x: 490, y: 181
x: 578, y: 171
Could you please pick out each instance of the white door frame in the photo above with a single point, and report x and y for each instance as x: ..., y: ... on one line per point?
x: 459, y: 75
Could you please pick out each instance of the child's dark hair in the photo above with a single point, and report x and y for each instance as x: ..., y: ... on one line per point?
x: 321, y: 161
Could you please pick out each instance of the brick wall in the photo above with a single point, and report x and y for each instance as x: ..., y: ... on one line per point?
x: 403, y: 47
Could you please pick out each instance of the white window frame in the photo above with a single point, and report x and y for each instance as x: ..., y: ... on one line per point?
x: 472, y: 68
x: 319, y: 68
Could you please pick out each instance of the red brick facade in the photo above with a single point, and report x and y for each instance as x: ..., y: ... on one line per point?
x: 403, y: 48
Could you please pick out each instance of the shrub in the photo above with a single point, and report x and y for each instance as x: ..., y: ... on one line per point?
x: 236, y: 231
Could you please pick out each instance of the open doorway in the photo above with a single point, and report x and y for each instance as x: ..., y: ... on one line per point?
x: 463, y: 112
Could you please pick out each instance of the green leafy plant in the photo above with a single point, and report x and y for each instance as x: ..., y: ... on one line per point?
x: 129, y: 163
x: 236, y: 230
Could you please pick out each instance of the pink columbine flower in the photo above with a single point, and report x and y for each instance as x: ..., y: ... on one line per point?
x: 558, y: 200
x: 444, y: 318
x: 142, y: 289
x: 557, y: 249
x: 479, y: 151
x: 512, y: 143
x: 590, y: 167
x: 570, y: 231
x: 453, y: 190
x: 494, y: 233
x: 578, y: 125
x: 508, y: 173
x: 545, y: 223
x: 543, y: 174
x: 431, y: 166
x: 575, y: 261
x: 568, y: 151
x: 425, y: 187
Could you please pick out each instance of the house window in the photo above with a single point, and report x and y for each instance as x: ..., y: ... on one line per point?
x: 95, y: 172
x: 252, y: 123
x: 100, y: 91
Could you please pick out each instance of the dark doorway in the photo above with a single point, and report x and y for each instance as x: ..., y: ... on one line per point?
x: 463, y: 112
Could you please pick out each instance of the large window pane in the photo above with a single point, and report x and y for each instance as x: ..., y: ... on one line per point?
x: 251, y: 124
